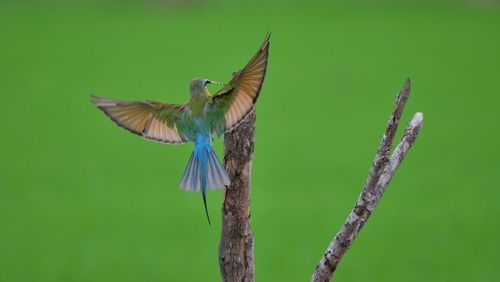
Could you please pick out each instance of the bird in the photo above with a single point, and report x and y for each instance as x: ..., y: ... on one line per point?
x: 197, y: 121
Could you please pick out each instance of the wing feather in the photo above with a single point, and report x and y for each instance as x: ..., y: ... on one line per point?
x: 237, y: 99
x: 152, y: 120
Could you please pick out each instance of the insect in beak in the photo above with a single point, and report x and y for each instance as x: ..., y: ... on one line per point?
x: 216, y: 82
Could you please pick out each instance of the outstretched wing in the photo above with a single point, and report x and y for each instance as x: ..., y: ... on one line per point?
x: 152, y: 120
x: 238, y: 97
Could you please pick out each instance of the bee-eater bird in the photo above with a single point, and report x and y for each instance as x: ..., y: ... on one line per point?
x: 196, y: 121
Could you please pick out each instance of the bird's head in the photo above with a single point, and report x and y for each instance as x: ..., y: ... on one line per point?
x: 199, y: 86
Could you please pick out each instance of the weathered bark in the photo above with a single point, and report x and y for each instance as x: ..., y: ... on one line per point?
x: 381, y: 173
x: 236, y: 246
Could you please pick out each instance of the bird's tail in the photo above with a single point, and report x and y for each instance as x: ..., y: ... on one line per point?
x: 203, y: 171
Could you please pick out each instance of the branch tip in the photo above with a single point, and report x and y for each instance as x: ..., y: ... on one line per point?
x: 407, y: 85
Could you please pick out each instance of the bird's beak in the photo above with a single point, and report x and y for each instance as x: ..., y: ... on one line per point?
x: 216, y: 82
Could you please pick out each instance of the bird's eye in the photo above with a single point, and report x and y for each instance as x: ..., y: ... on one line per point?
x: 206, y: 82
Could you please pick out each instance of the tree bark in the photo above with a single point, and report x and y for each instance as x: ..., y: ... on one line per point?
x: 381, y: 173
x: 236, y: 257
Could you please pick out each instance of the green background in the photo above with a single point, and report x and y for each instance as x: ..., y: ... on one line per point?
x: 83, y: 200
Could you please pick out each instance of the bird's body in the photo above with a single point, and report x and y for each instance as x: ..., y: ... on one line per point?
x: 196, y: 121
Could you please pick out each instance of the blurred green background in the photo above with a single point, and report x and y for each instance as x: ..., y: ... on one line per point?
x: 83, y: 200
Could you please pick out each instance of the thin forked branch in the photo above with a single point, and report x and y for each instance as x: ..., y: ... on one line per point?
x: 381, y: 173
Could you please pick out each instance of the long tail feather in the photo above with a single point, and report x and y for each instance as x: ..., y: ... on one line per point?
x: 205, y: 204
x: 204, y: 175
x: 204, y: 171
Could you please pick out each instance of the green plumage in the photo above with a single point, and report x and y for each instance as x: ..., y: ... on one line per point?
x: 196, y: 121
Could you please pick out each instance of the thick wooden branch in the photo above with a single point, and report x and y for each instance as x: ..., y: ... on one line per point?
x: 236, y: 258
x: 381, y: 173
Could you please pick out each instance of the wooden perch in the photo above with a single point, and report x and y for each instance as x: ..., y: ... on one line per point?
x: 236, y: 258
x: 381, y: 173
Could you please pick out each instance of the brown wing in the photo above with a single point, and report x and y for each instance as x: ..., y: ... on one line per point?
x: 152, y: 120
x: 237, y: 99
